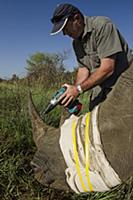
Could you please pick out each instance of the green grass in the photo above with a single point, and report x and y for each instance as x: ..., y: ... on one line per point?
x: 17, y: 149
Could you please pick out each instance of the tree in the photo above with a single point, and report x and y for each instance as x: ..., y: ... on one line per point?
x: 47, y: 67
x: 14, y: 77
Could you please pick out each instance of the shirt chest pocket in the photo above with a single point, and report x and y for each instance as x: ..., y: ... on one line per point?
x: 86, y: 52
x: 94, y: 60
x: 91, y: 60
x: 90, y: 49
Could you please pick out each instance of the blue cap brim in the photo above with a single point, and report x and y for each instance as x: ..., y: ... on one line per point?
x: 58, y: 26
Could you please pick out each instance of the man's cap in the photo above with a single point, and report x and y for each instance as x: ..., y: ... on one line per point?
x: 61, y: 15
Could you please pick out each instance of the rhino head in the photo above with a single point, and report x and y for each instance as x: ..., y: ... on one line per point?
x: 48, y: 163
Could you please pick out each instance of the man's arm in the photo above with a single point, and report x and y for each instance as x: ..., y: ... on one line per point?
x: 82, y: 75
x: 105, y: 70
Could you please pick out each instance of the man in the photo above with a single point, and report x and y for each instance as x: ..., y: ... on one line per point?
x: 101, y: 51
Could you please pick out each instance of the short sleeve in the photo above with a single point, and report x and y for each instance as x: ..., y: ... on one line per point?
x: 107, y: 40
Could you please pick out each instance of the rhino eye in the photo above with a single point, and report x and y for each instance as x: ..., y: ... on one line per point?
x: 34, y: 167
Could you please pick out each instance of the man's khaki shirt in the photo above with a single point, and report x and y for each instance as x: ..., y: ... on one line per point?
x: 101, y: 39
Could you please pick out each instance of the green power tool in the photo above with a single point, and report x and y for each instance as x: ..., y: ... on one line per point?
x: 74, y: 107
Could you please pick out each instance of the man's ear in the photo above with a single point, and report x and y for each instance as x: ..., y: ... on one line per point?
x: 77, y: 16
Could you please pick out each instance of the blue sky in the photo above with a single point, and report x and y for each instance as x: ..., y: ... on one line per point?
x: 25, y: 29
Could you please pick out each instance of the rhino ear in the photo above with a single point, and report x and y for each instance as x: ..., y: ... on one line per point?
x: 38, y: 126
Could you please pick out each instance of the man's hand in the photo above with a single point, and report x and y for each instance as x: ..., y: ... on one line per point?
x: 70, y: 94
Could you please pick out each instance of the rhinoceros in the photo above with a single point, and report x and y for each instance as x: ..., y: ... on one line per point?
x: 115, y: 125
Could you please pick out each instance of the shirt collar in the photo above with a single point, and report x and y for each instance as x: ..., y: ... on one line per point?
x: 88, y: 25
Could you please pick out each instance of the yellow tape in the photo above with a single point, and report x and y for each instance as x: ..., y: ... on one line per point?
x: 87, y: 157
x: 87, y: 161
x: 76, y: 157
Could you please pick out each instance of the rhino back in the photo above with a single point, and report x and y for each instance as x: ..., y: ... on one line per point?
x: 116, y: 125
